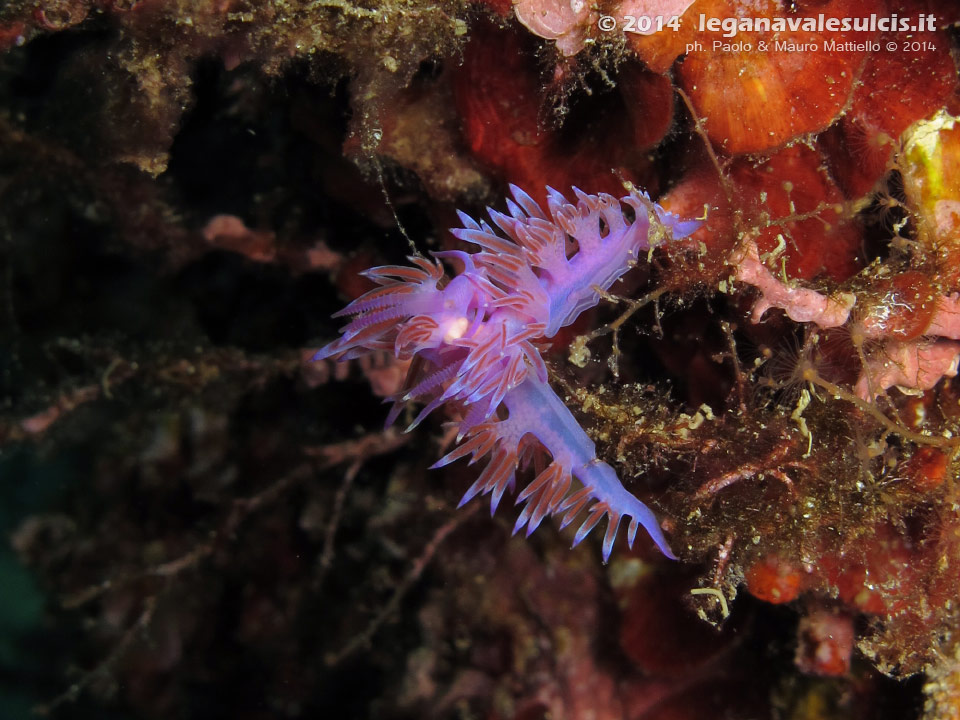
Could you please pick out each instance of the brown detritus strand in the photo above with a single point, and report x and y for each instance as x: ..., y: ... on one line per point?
x: 774, y: 464
x: 355, y: 452
x: 109, y: 663
x: 416, y: 570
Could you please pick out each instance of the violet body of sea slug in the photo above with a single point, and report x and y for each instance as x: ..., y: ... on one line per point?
x: 471, y: 339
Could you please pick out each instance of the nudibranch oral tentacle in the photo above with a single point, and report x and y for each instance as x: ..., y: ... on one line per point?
x: 472, y: 339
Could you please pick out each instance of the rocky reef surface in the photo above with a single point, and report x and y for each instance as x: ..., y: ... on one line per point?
x: 203, y: 522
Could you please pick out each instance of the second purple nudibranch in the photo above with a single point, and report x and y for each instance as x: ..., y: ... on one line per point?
x: 472, y: 341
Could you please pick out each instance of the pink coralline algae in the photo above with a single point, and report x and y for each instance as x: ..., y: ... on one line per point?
x: 570, y: 22
x: 564, y: 21
x: 911, y: 366
x: 800, y: 304
x: 471, y: 339
x: 913, y: 330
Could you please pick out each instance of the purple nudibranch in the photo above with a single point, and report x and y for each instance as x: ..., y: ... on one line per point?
x: 472, y: 338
